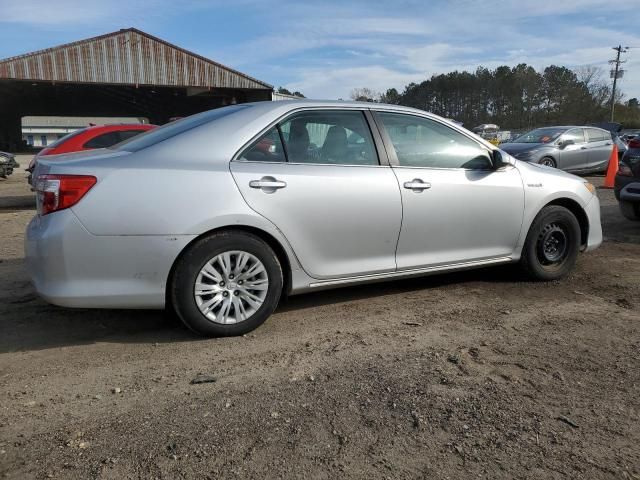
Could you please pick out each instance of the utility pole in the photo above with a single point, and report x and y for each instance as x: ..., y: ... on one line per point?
x: 616, y: 73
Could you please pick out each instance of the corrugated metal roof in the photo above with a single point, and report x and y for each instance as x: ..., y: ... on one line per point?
x: 125, y: 57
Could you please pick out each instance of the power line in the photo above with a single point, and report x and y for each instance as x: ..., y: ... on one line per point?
x: 616, y: 73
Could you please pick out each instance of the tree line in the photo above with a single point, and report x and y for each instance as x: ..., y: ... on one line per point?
x: 517, y: 97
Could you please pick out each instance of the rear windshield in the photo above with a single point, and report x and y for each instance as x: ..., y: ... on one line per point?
x: 172, y: 129
x: 67, y: 137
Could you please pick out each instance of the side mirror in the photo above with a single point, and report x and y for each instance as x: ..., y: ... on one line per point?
x: 565, y: 143
x: 498, y: 159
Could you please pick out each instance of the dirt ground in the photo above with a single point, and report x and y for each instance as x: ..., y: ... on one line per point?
x: 470, y: 375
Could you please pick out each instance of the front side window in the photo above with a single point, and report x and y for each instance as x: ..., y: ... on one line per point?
x: 421, y: 142
x: 575, y: 134
x: 329, y: 137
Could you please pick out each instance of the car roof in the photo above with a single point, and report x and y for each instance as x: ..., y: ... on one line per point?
x: 307, y: 103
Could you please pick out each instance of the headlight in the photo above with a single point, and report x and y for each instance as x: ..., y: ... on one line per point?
x: 4, y: 160
x: 590, y: 186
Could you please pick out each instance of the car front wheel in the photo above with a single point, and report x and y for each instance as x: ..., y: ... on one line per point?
x: 226, y: 284
x: 552, y: 244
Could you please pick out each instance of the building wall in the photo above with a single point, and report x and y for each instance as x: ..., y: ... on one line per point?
x: 42, y: 138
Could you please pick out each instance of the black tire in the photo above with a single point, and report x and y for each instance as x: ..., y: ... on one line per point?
x: 552, y: 244
x: 193, y: 260
x: 548, y: 161
x: 630, y: 210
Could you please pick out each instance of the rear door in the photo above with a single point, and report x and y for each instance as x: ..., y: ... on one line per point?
x: 317, y: 177
x: 600, y: 147
x: 573, y: 156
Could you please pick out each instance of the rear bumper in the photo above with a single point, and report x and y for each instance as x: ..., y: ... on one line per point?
x: 594, y: 238
x: 72, y: 268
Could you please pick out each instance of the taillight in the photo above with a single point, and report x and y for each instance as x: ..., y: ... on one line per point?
x: 624, y: 170
x: 45, y: 151
x: 634, y: 143
x: 57, y: 192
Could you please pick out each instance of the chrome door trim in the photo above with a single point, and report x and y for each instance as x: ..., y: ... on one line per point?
x: 410, y: 272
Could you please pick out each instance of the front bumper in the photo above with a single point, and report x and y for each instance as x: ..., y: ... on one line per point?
x: 71, y: 267
x: 594, y: 239
x: 628, y: 190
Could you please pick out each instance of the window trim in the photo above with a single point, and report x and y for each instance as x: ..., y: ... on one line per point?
x: 391, y: 151
x: 378, y: 144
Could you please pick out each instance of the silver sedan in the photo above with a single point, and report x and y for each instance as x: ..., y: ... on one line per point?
x: 218, y: 215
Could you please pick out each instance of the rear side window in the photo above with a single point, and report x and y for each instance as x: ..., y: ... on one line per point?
x: 127, y: 134
x: 319, y: 137
x: 172, y: 129
x: 103, y: 141
x: 421, y: 142
x: 596, y: 135
x: 329, y: 137
x: 267, y: 148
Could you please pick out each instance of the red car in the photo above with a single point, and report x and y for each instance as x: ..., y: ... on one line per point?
x: 102, y: 136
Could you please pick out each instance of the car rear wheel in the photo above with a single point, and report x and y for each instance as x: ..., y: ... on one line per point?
x: 548, y: 161
x: 552, y: 244
x: 226, y: 284
x: 630, y: 210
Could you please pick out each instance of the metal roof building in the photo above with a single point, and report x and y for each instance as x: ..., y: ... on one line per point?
x: 124, y: 73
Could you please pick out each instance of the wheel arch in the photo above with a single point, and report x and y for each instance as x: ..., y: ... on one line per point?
x: 265, y: 236
x: 548, y: 155
x: 577, y: 210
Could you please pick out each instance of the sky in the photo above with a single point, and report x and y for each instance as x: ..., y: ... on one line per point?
x: 327, y: 48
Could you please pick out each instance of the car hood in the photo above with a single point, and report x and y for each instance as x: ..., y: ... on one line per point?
x: 513, y: 148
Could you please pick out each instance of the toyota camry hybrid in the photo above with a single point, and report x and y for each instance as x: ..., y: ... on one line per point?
x: 220, y: 214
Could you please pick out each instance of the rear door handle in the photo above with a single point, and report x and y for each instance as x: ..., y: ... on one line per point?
x: 417, y: 185
x: 267, y: 184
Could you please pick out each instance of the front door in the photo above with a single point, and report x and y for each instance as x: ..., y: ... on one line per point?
x: 573, y: 156
x: 317, y: 178
x: 456, y: 207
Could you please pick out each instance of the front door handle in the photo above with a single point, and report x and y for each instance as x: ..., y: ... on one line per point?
x: 583, y: 148
x: 417, y: 185
x: 267, y: 184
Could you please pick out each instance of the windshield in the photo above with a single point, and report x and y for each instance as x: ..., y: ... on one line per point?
x: 541, y: 135
x: 172, y: 129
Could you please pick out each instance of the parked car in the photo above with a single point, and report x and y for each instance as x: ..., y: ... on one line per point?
x: 7, y: 164
x: 616, y: 135
x: 90, y: 138
x: 201, y: 216
x: 627, y: 183
x: 571, y: 148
